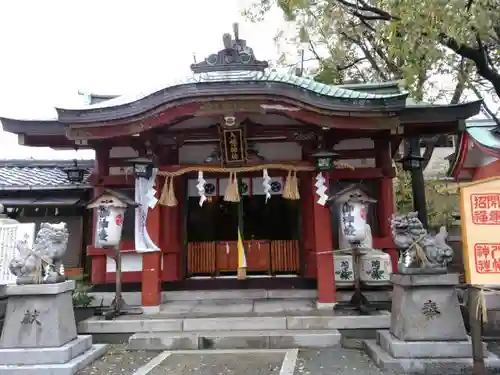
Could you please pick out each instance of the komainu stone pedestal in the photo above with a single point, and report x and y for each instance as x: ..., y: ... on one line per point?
x: 427, y: 333
x: 39, y: 333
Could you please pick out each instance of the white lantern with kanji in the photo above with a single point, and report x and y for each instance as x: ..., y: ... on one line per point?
x: 352, y: 205
x: 110, y: 213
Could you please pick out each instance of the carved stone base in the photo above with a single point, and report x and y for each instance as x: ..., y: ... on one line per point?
x: 39, y: 316
x: 426, y: 308
x: 40, y: 320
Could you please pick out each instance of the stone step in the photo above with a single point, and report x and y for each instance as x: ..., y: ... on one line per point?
x: 274, y: 339
x: 69, y: 368
x: 130, y: 324
x: 134, y: 298
x: 43, y: 356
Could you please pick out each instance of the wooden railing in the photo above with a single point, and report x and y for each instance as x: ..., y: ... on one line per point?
x: 201, y: 258
x: 285, y: 256
x: 263, y: 257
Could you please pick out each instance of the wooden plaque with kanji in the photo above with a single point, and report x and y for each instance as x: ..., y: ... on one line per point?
x: 480, y: 220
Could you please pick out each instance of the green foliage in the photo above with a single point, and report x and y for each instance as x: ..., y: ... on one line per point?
x: 384, y: 40
x: 81, y: 296
x: 442, y: 202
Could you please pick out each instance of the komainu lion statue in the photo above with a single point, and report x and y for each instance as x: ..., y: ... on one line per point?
x: 419, y: 252
x: 41, y: 264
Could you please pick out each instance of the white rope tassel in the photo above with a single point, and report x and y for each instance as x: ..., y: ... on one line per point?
x: 321, y: 189
x: 266, y: 183
x: 201, y: 188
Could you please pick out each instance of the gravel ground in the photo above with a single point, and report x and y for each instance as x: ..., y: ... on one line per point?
x: 220, y: 364
x: 336, y: 361
x: 118, y: 361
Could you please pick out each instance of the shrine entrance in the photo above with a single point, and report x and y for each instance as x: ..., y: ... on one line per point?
x: 270, y: 233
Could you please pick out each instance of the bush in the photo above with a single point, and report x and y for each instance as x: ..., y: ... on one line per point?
x: 81, y: 296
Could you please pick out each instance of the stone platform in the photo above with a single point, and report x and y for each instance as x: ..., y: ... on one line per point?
x: 221, y: 320
x: 427, y: 333
x: 39, y: 334
x: 424, y: 357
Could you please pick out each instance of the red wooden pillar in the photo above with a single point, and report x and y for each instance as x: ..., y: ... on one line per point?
x: 323, y: 243
x: 308, y: 241
x: 386, y: 209
x: 171, y: 228
x: 151, y: 262
x: 101, y: 169
x: 386, y: 204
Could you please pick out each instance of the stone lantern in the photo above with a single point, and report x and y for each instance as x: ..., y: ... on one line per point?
x: 351, y: 204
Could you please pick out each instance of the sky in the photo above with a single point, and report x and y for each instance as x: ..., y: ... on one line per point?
x: 50, y: 49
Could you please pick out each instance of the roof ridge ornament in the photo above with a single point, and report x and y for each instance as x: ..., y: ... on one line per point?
x: 236, y: 56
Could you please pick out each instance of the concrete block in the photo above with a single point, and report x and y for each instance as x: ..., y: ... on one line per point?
x: 286, y: 306
x: 163, y: 341
x: 227, y: 306
x: 268, y: 339
x: 99, y: 325
x: 423, y: 349
x: 425, y: 366
x: 39, y: 316
x: 377, y: 321
x: 234, y: 340
x: 292, y: 294
x: 305, y: 339
x: 41, y: 356
x: 215, y: 294
x: 70, y: 368
x: 231, y: 323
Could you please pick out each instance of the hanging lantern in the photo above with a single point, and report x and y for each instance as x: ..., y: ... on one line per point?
x: 75, y: 173
x: 324, y: 160
x: 412, y: 160
x: 143, y: 167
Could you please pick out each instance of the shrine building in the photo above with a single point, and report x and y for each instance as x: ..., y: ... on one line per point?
x: 239, y: 148
x: 477, y: 152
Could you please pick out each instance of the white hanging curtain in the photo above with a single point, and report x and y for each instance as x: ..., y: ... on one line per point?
x: 145, y: 196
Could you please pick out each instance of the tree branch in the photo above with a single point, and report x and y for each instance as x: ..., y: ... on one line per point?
x: 362, y: 6
x: 477, y: 56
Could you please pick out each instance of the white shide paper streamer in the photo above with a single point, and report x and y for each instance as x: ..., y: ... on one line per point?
x: 145, y: 196
x: 201, y: 188
x: 266, y: 183
x: 321, y: 189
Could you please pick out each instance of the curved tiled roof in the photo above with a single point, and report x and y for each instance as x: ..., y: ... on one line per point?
x: 308, y: 84
x: 39, y: 174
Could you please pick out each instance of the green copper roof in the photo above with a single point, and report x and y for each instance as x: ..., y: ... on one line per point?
x: 308, y: 84
x: 321, y: 88
x: 481, y: 131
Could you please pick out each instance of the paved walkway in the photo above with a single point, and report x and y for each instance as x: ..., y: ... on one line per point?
x: 234, y: 362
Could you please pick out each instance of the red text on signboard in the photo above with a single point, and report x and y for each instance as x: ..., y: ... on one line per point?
x: 487, y: 257
x: 485, y: 209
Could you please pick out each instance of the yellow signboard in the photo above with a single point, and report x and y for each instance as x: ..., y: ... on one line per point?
x: 480, y: 219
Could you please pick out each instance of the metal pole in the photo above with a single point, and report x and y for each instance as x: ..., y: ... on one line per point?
x: 417, y: 182
x: 118, y: 281
x: 476, y: 326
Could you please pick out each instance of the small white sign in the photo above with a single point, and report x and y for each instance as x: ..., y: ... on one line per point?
x: 10, y: 235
